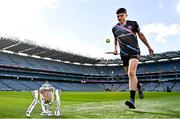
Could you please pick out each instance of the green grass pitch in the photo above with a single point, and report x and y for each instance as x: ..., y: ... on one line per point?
x: 99, y: 105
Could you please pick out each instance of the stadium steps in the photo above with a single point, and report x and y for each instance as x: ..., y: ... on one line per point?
x: 163, y: 86
x: 14, y: 59
x: 40, y: 83
x: 30, y: 84
x: 67, y: 86
x: 59, y: 67
x: 101, y: 85
x: 4, y: 87
x: 47, y: 64
x: 108, y: 86
x: 158, y: 84
x: 116, y: 87
x: 93, y: 87
x: 150, y: 86
x: 104, y: 88
x: 176, y: 87
x: 76, y: 86
x: 62, y: 86
x: 31, y: 63
x: 87, y: 87
x: 172, y: 86
x: 4, y: 59
x: 124, y: 87
x: 12, y: 83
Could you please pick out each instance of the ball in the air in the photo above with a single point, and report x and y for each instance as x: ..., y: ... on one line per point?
x: 108, y: 40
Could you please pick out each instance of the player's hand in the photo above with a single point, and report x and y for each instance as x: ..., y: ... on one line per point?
x: 151, y: 52
x: 115, y: 52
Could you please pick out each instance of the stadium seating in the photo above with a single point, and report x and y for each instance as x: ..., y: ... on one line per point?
x: 29, y: 73
x: 4, y: 87
x: 163, y: 86
x: 14, y: 84
x: 176, y: 87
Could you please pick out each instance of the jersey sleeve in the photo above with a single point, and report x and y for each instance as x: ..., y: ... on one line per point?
x: 137, y: 27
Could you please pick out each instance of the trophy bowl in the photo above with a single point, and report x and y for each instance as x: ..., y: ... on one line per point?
x: 47, y: 93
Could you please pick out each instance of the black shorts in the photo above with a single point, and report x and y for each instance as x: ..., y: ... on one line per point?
x: 126, y: 59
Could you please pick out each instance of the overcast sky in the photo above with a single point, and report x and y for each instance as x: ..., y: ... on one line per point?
x: 81, y: 26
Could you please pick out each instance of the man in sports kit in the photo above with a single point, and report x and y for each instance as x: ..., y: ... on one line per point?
x: 125, y: 34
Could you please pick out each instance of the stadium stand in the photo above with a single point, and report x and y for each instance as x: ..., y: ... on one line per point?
x: 25, y: 67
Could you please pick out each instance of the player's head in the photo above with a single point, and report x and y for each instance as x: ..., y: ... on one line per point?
x: 121, y: 14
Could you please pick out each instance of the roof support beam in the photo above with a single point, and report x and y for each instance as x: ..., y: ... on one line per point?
x: 11, y: 46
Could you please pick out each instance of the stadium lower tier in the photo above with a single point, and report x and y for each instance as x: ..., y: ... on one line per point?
x: 28, y: 85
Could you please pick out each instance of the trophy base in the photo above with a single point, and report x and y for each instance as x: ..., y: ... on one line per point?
x: 49, y: 113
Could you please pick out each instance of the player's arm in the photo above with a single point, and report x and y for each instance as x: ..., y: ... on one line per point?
x: 144, y: 40
x: 115, y: 44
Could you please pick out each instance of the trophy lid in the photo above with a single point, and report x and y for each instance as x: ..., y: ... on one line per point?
x: 46, y: 86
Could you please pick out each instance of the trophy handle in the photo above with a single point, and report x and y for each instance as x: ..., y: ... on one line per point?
x: 42, y: 103
x: 57, y: 111
x: 33, y: 104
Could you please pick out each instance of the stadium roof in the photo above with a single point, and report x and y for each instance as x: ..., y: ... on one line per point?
x: 31, y: 49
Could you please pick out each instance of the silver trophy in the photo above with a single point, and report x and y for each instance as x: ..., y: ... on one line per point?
x: 46, y: 97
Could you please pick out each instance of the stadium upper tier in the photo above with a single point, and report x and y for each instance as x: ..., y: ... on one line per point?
x: 31, y: 49
x: 18, y: 61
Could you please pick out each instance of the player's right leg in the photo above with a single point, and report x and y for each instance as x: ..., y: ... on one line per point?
x: 133, y: 63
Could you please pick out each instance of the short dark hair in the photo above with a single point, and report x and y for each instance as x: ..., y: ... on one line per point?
x: 121, y: 10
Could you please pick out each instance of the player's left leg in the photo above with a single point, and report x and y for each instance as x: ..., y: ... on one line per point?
x: 139, y: 86
x: 133, y: 63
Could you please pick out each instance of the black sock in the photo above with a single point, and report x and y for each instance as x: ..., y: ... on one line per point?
x: 138, y: 85
x: 132, y: 95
